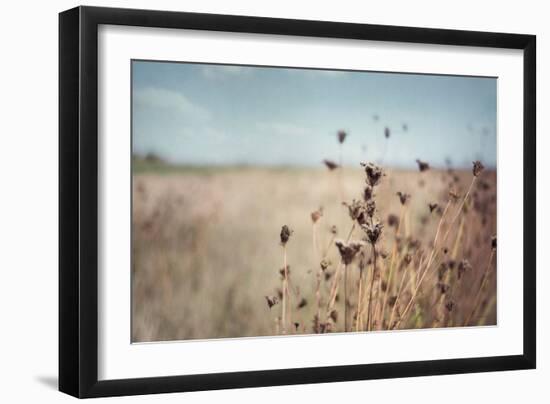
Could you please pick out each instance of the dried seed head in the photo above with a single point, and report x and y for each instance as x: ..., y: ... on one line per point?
x: 371, y: 208
x: 302, y: 303
x: 341, y: 136
x: 494, y: 242
x: 422, y: 165
x: 392, y: 300
x: 443, y: 287
x: 357, y: 210
x: 393, y: 220
x: 331, y: 165
x: 316, y: 215
x: 348, y: 251
x: 284, y: 273
x: 374, y: 173
x: 334, y: 316
x: 271, y: 301
x: 407, y: 259
x: 386, y: 132
x: 477, y: 168
x: 334, y: 230
x: 373, y: 231
x: 432, y: 206
x: 324, y: 264
x: 450, y: 305
x: 403, y: 197
x: 368, y: 193
x: 285, y: 234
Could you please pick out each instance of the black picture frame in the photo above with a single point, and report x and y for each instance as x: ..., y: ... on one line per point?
x: 78, y: 201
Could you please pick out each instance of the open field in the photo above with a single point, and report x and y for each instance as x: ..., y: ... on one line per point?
x: 207, y: 251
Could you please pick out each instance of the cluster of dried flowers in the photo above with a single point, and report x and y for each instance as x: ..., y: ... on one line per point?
x: 388, y: 285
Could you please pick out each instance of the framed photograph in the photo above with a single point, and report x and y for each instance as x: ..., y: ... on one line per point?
x: 249, y: 201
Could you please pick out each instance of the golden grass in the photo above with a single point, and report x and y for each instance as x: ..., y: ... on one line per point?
x: 206, y: 253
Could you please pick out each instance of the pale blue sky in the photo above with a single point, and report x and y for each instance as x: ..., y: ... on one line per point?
x: 214, y: 114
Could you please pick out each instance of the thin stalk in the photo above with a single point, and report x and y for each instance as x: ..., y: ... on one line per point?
x: 399, y: 293
x: 369, y: 302
x: 285, y: 290
x: 359, y: 298
x: 481, y: 287
x: 459, y: 210
x: 415, y: 292
x: 335, y: 282
x: 319, y: 273
x: 392, y: 263
x: 345, y: 298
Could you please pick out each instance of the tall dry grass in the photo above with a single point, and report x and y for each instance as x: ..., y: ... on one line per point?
x: 208, y: 259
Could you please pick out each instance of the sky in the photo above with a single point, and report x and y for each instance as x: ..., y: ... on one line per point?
x: 204, y: 114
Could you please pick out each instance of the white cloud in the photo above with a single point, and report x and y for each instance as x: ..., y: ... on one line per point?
x: 168, y: 99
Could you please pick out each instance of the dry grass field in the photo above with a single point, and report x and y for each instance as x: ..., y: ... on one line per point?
x: 208, y: 257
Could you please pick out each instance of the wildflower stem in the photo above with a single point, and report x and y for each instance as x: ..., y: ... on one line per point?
x: 392, y: 263
x: 345, y: 297
x: 459, y: 210
x: 369, y: 302
x: 285, y: 290
x: 335, y: 282
x: 359, y: 298
x: 481, y: 287
x: 319, y: 272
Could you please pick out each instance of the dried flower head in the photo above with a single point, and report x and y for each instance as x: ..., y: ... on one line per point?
x: 403, y: 197
x: 348, y: 251
x: 271, y: 301
x: 371, y: 208
x: 443, y: 287
x: 284, y: 273
x: 494, y: 242
x: 422, y: 165
x: 302, y: 303
x: 285, y: 234
x: 477, y: 168
x: 334, y: 316
x: 331, y: 165
x: 374, y: 173
x: 357, y: 210
x: 432, y: 206
x: 324, y: 264
x: 316, y: 215
x: 373, y: 231
x: 393, y: 220
x: 368, y: 193
x: 334, y: 230
x: 341, y: 136
x: 386, y: 132
x: 450, y: 305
